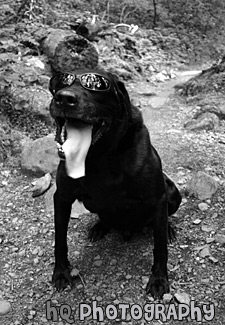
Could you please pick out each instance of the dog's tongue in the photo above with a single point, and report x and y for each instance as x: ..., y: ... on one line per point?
x: 76, y: 147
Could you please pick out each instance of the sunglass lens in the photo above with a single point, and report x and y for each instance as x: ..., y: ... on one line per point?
x: 94, y: 82
x: 67, y: 79
x: 60, y: 81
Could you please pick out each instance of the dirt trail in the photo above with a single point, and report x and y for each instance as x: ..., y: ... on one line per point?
x: 166, y: 89
x: 163, y: 117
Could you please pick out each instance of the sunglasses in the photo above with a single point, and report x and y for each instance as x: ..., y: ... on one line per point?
x: 89, y: 81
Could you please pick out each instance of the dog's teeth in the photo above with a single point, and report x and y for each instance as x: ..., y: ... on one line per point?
x: 58, y: 145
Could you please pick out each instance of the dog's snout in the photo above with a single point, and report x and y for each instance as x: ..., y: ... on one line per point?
x: 66, y: 97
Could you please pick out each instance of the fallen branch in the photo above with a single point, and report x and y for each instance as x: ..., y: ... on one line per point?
x: 68, y: 51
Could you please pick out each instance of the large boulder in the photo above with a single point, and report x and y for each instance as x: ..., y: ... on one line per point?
x: 40, y: 156
x: 34, y: 99
x: 202, y: 186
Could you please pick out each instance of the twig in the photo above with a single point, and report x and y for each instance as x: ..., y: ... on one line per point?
x: 81, y: 279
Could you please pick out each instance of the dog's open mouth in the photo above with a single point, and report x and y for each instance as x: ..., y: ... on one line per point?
x: 74, y: 138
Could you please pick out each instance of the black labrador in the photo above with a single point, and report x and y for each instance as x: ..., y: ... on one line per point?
x: 108, y: 163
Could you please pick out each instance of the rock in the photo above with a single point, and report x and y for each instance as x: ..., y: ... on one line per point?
x: 206, y: 121
x: 36, y: 99
x: 136, y: 102
x: 161, y: 76
x: 184, y: 246
x: 74, y: 272
x: 77, y: 208
x: 128, y: 299
x: 18, y: 141
x: 210, y: 240
x: 22, y: 252
x: 205, y: 252
x: 36, y: 251
x: 97, y: 263
x: 210, y: 228
x: 36, y: 261
x: 74, y: 215
x: 97, y: 257
x: 40, y: 156
x: 182, y: 298
x: 203, y: 206
x: 116, y: 302
x: 41, y: 185
x: 167, y: 297
x: 40, y: 253
x: 33, y: 312
x: 219, y: 238
x: 145, y: 279
x: 202, y: 185
x: 197, y: 221
x: 98, y: 298
x: 213, y: 259
x: 5, y: 307
x: 35, y: 62
x: 113, y: 261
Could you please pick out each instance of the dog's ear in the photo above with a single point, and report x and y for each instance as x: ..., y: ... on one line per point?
x: 121, y: 90
x: 122, y: 95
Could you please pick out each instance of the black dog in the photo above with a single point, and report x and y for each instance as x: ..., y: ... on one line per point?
x: 108, y: 163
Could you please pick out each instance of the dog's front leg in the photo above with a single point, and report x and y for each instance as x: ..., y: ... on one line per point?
x: 158, y: 283
x: 61, y: 275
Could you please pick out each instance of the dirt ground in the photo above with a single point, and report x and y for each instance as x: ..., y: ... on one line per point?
x: 114, y: 272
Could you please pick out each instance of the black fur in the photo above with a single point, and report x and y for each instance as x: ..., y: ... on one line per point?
x: 124, y: 183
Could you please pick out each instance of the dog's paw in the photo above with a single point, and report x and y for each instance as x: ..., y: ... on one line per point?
x: 157, y: 286
x: 61, y: 279
x: 97, y: 232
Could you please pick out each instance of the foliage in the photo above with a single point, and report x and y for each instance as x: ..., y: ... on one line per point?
x: 200, y: 24
x: 190, y: 30
x: 197, y: 25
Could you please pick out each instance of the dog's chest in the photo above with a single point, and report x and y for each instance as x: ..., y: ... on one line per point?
x: 104, y: 191
x: 116, y: 202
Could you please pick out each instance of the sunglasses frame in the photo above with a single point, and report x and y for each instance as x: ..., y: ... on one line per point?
x: 78, y: 77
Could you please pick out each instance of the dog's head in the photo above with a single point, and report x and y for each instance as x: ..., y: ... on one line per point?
x: 86, y: 106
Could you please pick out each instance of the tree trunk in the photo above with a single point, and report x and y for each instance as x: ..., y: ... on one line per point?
x: 155, y: 14
x: 68, y: 51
